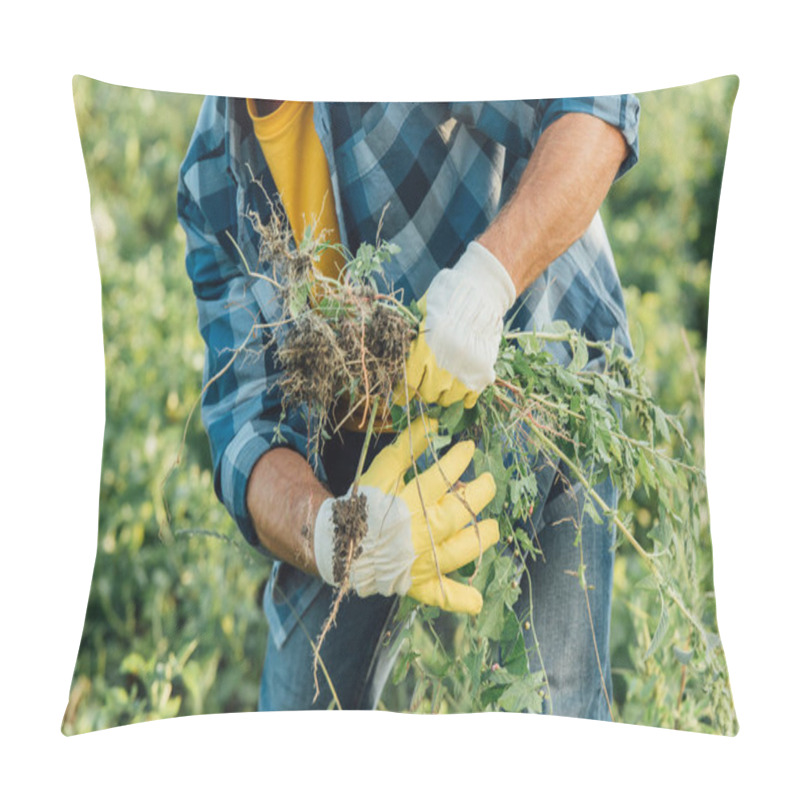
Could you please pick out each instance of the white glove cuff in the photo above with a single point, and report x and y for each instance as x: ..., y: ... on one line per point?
x: 384, y: 566
x: 481, y: 269
x: 323, y: 541
x: 464, y: 310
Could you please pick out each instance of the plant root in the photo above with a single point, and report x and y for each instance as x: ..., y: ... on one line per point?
x: 349, y: 530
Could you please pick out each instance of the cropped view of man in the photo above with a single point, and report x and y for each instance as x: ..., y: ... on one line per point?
x: 494, y: 209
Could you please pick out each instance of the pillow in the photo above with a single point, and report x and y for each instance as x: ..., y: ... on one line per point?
x: 176, y: 620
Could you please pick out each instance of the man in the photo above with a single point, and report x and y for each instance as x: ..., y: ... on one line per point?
x: 494, y: 208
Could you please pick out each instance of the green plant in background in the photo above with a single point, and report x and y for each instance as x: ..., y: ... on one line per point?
x: 661, y: 222
x: 173, y: 624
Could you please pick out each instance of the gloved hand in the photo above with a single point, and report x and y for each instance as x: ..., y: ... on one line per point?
x: 454, y: 353
x: 413, y: 528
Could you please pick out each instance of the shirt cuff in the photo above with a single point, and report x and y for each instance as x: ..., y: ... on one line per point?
x: 620, y: 111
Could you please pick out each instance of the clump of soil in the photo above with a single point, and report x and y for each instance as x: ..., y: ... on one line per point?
x: 375, y: 344
x: 344, y: 344
x: 349, y: 529
x: 343, y: 364
x: 312, y: 360
x: 390, y: 337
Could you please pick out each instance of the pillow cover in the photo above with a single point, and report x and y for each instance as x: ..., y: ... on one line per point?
x: 176, y: 617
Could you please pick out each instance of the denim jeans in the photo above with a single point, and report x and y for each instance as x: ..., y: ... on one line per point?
x: 570, y: 631
x: 568, y: 637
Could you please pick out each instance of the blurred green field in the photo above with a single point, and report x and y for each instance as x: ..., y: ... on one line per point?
x: 173, y: 624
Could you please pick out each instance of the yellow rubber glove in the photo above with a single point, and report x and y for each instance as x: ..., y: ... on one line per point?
x: 416, y: 532
x: 454, y: 353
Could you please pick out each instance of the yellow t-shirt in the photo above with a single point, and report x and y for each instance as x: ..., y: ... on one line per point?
x: 299, y: 168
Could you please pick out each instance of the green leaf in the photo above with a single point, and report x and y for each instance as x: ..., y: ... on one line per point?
x: 649, y: 583
x: 580, y: 354
x: 660, y: 533
x: 490, y: 620
x: 429, y: 613
x: 491, y: 695
x: 523, y: 489
x: 470, y: 415
x: 529, y: 343
x: 486, y: 571
x: 500, y: 676
x: 452, y: 415
x: 570, y: 382
x: 480, y: 462
x: 298, y: 301
x: 134, y: 664
x: 513, y: 655
x: 645, y: 471
x: 522, y: 365
x: 600, y: 388
x: 438, y: 442
x: 171, y: 707
x: 592, y: 512
x: 661, y: 629
x: 661, y: 422
x: 559, y: 327
x: 399, y: 418
x: 473, y: 663
x: 524, y: 694
x: 406, y: 607
x: 525, y: 543
x: 329, y: 308
x: 493, y: 463
x: 500, y: 593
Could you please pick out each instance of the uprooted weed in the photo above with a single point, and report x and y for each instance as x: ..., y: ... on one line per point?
x: 342, y: 343
x: 342, y: 346
x: 313, y: 361
x: 336, y: 365
x: 349, y: 528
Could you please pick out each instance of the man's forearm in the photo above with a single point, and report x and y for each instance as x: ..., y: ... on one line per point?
x: 569, y: 174
x: 283, y: 498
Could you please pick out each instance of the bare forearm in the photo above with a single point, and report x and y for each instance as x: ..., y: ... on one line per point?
x: 283, y: 497
x: 569, y: 174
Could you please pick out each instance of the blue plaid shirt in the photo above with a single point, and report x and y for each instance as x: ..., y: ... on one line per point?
x: 441, y: 171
